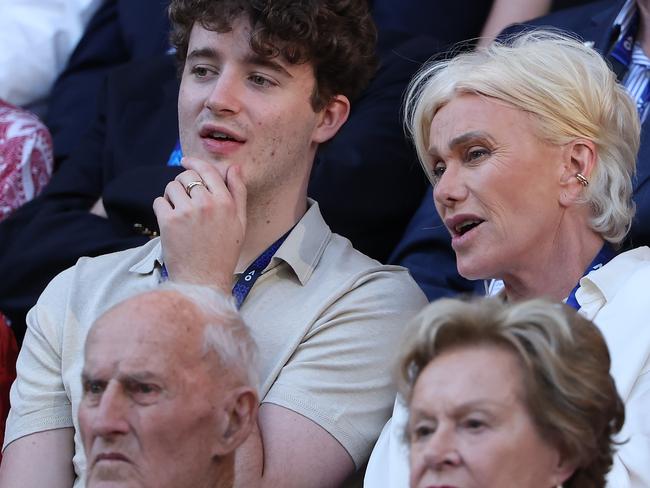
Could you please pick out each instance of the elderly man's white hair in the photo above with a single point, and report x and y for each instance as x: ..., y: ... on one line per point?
x: 224, y: 332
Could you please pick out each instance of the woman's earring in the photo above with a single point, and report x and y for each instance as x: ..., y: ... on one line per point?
x: 581, y: 178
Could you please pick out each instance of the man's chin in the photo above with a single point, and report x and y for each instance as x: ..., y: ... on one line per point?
x: 222, y: 168
x: 111, y: 474
x: 221, y: 164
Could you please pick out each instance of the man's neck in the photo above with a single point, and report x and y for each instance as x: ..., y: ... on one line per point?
x: 266, y: 222
x: 271, y: 212
x: 222, y: 475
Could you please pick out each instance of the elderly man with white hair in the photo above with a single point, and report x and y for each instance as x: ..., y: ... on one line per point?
x: 168, y: 390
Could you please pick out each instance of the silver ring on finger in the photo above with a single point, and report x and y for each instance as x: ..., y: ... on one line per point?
x: 192, y: 184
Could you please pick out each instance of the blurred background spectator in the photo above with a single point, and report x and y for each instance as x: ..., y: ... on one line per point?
x: 25, y: 157
x: 37, y: 39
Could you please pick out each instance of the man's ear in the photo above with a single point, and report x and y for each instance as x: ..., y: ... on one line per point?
x: 240, y: 416
x: 332, y: 117
x: 579, y: 162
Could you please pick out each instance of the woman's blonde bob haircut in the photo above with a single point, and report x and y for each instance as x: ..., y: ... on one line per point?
x: 564, y: 364
x: 572, y: 93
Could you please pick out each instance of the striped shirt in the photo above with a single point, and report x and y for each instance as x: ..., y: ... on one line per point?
x: 637, y: 78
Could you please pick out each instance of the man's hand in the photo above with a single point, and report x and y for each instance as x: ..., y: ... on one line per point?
x: 202, y: 232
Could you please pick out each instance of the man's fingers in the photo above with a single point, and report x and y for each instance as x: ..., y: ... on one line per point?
x: 161, y: 207
x: 176, y: 195
x: 188, y: 177
x: 207, y: 172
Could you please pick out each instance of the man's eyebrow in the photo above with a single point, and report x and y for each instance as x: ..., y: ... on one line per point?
x: 251, y: 59
x: 257, y: 60
x: 461, y: 140
x: 204, y: 52
x: 139, y: 376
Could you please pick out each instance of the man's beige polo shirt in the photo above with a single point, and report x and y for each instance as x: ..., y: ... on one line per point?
x: 326, y: 318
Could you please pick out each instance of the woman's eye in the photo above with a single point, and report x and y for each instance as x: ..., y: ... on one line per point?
x: 438, y: 170
x: 421, y: 431
x: 476, y: 153
x: 145, y: 388
x: 474, y: 424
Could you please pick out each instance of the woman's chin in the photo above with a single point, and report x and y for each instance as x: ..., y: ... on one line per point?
x: 473, y: 270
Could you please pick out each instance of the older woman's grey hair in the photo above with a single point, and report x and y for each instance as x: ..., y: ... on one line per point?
x: 569, y: 89
x: 564, y: 364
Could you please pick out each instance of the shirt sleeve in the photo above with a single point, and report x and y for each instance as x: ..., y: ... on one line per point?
x: 39, y: 400
x: 631, y: 468
x: 340, y: 376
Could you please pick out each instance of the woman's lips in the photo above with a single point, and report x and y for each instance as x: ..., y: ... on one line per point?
x: 458, y: 241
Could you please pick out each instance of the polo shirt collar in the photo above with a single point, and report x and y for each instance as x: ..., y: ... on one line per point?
x: 151, y: 260
x: 304, y: 246
x: 302, y: 250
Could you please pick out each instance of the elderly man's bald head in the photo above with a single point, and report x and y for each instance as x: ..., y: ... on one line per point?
x: 168, y: 392
x: 183, y: 313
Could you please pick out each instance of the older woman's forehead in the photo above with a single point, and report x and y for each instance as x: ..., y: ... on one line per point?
x: 499, y: 384
x: 470, y: 115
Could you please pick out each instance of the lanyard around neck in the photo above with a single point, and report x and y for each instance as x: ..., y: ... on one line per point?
x: 247, y: 279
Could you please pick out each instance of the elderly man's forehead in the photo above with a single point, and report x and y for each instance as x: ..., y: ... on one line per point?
x: 160, y: 312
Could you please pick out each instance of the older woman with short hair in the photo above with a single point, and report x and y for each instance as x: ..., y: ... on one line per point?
x: 531, y: 147
x: 541, y: 415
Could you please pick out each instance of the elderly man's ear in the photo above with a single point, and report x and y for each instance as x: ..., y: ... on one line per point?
x: 579, y: 158
x: 237, y: 419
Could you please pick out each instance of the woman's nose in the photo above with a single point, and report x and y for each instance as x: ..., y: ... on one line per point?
x: 450, y: 188
x: 441, y: 449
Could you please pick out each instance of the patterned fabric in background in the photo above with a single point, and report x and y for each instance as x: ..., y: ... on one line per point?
x: 25, y: 157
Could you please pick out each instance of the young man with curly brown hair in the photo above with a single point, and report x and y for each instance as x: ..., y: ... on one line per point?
x: 263, y: 83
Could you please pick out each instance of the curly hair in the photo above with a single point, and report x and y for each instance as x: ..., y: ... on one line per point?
x: 337, y: 36
x: 564, y: 360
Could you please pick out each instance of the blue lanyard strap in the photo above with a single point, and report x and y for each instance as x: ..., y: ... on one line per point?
x: 604, y: 256
x: 248, y: 278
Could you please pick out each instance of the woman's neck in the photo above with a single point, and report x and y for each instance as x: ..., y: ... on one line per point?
x: 559, y: 267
